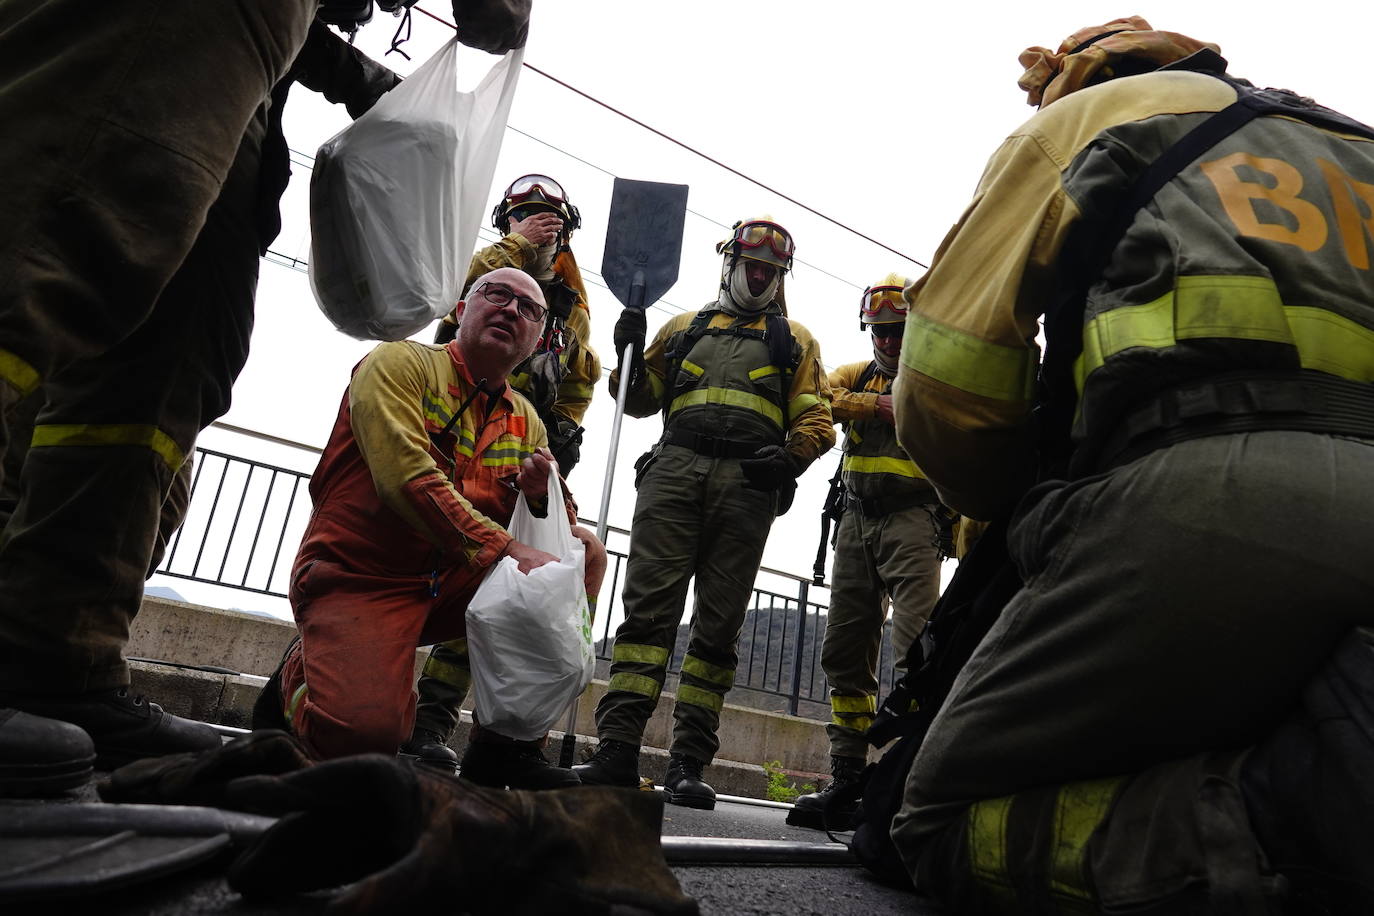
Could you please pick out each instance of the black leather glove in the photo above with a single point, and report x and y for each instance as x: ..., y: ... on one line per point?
x: 945, y: 519
x: 771, y: 468
x: 492, y: 25
x: 416, y: 840
x: 202, y: 778
x: 565, y: 441
x: 630, y: 329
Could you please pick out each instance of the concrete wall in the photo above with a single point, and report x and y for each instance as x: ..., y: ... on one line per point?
x: 250, y: 644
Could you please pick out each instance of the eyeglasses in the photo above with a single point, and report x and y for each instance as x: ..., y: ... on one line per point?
x: 889, y: 329
x: 503, y: 295
x: 878, y: 298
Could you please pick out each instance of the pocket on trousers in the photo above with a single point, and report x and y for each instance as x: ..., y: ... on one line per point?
x: 643, y: 463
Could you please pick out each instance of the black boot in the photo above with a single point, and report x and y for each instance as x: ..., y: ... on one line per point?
x: 834, y: 806
x: 431, y: 750
x: 42, y: 757
x: 1308, y: 791
x: 125, y: 727
x: 517, y: 765
x: 269, y: 708
x: 615, y: 763
x: 685, y: 785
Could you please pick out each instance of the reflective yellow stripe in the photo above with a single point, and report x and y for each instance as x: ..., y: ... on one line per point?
x: 434, y: 410
x: 575, y: 390
x: 297, y: 699
x: 92, y: 435
x: 1330, y: 343
x: 1241, y: 308
x: 635, y: 683
x: 448, y: 673
x: 692, y: 368
x: 800, y: 403
x: 965, y: 362
x: 730, y: 398
x: 881, y: 464
x: 712, y: 674
x: 858, y: 723
x: 504, y: 457
x: 17, y: 372
x: 1080, y: 808
x: 987, y: 849
x: 695, y: 696
x: 852, y: 705
x: 762, y: 372
x: 645, y: 655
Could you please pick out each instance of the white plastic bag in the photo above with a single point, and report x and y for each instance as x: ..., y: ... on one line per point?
x: 530, y: 636
x: 396, y: 198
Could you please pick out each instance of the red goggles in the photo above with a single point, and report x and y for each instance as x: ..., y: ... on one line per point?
x: 878, y: 298
x: 524, y: 187
x: 760, y: 234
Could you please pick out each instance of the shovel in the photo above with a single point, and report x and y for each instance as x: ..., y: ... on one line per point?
x: 640, y: 264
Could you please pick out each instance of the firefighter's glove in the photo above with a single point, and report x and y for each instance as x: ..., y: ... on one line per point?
x: 565, y: 441
x: 946, y: 520
x: 492, y: 25
x: 630, y: 329
x: 202, y: 778
x: 406, y: 838
x: 771, y: 468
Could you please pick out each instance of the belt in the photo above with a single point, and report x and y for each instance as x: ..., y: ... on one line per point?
x: 1238, y: 402
x: 712, y: 447
x: 878, y: 507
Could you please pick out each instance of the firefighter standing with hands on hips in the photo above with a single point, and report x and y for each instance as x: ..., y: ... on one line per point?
x: 886, y: 548
x: 537, y: 221
x: 746, y: 409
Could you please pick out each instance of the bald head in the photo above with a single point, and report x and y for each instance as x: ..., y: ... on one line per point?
x: 495, y: 336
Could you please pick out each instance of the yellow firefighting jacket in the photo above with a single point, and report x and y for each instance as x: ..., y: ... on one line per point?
x: 874, y: 464
x: 582, y: 367
x: 1257, y: 256
x: 727, y: 387
x: 394, y: 492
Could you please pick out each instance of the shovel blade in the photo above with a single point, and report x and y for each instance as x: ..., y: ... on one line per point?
x: 643, y: 240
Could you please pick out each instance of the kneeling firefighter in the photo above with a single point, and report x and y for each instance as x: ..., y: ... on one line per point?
x: 537, y: 221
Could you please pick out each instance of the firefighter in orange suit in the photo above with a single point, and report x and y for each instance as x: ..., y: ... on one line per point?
x: 537, y: 221
x: 411, y: 495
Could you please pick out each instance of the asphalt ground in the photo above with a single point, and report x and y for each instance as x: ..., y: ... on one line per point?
x: 746, y: 890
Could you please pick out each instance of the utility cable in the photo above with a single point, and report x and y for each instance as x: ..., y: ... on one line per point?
x: 696, y: 152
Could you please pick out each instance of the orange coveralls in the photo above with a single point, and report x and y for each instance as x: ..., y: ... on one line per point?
x: 407, y: 521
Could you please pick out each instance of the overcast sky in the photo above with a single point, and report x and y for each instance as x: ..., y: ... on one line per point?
x: 879, y: 114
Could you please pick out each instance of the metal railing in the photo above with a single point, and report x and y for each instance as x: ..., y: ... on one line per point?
x: 247, y: 517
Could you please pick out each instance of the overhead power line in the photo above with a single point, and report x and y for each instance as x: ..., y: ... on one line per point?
x: 696, y: 152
